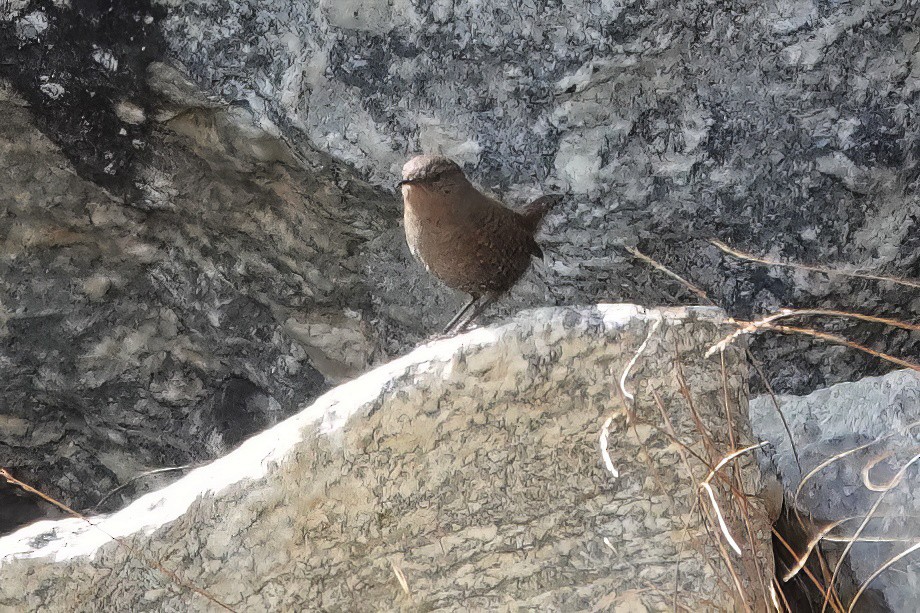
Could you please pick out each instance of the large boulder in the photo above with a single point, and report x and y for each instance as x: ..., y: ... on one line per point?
x: 469, y: 474
x: 857, y: 444
x: 163, y: 331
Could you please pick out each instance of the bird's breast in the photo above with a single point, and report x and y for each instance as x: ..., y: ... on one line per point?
x: 471, y: 248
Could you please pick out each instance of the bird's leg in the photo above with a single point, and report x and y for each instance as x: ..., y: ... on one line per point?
x: 488, y: 299
x: 453, y: 322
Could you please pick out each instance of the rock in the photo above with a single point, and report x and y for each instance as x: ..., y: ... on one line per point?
x: 868, y: 425
x: 165, y: 330
x: 195, y: 197
x: 785, y: 129
x: 466, y: 474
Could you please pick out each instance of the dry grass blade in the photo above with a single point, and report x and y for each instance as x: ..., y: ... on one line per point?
x: 813, y: 268
x: 728, y: 560
x: 751, y: 327
x: 779, y: 411
x: 745, y: 507
x: 811, y: 577
x: 879, y: 571
x: 809, y: 547
x: 605, y: 454
x: 832, y: 538
x: 657, y: 324
x: 722, y: 525
x: 825, y: 464
x: 843, y: 454
x: 706, y: 438
x: 401, y: 577
x: 143, y: 475
x: 725, y: 401
x: 774, y: 598
x: 897, y: 479
x: 834, y: 338
x: 868, y: 483
x: 725, y: 460
x: 152, y: 564
x: 712, y: 498
x: 807, y: 477
x: 627, y: 395
x: 682, y: 450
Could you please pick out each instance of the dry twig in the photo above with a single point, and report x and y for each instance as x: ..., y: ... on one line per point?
x: 813, y: 268
x: 172, y: 575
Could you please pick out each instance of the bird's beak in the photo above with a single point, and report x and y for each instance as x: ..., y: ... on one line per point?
x: 405, y: 182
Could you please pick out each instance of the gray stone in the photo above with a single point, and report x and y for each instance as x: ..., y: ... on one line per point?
x: 786, y: 128
x: 184, y: 264
x: 164, y: 331
x: 869, y: 424
x: 472, y: 468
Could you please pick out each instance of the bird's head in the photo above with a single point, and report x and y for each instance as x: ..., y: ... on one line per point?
x: 433, y: 172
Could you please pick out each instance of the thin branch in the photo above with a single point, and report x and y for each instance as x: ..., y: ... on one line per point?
x: 143, y: 475
x: 779, y: 410
x: 751, y: 327
x: 811, y: 577
x: 834, y: 338
x: 813, y: 268
x: 152, y: 564
x: 662, y: 268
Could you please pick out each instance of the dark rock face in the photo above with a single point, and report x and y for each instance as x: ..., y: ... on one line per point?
x: 78, y: 66
x: 179, y: 269
x: 164, y: 333
x: 788, y: 129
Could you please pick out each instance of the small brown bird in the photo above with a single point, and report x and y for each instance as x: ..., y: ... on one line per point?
x: 467, y: 240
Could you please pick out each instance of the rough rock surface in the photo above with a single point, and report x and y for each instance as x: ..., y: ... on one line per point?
x: 472, y: 468
x: 164, y: 331
x: 175, y: 276
x: 876, y: 420
x: 787, y: 127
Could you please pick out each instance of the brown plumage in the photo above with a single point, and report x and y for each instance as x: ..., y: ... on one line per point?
x: 469, y: 241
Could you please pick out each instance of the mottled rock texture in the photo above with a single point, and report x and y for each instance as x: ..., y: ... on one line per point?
x: 183, y: 267
x: 472, y: 466
x: 871, y: 430
x: 163, y: 331
x: 786, y: 127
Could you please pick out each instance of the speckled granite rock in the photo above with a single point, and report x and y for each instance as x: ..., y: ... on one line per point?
x: 472, y: 465
x: 165, y: 330
x: 881, y: 415
x: 786, y: 127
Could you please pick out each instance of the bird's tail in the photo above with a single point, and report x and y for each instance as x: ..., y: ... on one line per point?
x: 534, y: 212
